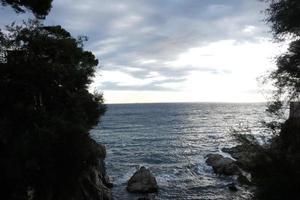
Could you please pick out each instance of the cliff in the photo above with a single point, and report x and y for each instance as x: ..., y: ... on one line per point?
x: 94, y: 182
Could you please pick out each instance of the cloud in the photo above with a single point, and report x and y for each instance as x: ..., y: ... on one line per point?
x: 152, y: 86
x: 152, y: 43
x: 125, y: 35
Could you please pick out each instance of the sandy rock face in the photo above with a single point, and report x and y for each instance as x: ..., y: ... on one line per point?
x: 142, y: 181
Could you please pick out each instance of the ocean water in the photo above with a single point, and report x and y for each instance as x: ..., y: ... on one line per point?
x: 172, y: 140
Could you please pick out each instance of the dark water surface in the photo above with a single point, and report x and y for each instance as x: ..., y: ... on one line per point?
x: 172, y: 140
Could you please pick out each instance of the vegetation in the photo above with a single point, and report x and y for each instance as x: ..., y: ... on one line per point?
x: 39, y: 7
x: 276, y: 168
x: 46, y: 109
x: 284, y: 18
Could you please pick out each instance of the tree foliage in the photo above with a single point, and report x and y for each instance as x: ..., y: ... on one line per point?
x: 40, y: 8
x: 287, y: 75
x: 46, y: 110
x: 279, y: 178
x: 284, y: 18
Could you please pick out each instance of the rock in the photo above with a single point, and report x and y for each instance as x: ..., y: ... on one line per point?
x: 98, y: 149
x: 222, y: 165
x: 142, y: 181
x: 243, y: 154
x: 212, y: 158
x: 143, y: 198
x: 92, y: 186
x: 30, y: 193
x: 232, y: 187
x: 94, y: 182
x: 107, y: 181
x: 243, y: 180
x: 248, y: 156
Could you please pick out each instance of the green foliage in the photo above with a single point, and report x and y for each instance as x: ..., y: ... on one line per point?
x: 46, y: 111
x: 287, y: 75
x: 275, y: 168
x: 279, y: 178
x: 40, y: 8
x: 277, y: 113
x: 283, y: 16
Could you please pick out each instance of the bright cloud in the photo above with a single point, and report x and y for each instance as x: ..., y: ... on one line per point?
x: 171, y: 51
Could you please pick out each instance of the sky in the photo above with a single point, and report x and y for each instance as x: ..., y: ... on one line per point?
x: 171, y: 50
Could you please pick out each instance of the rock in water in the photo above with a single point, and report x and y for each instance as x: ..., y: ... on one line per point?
x: 222, y: 165
x: 246, y: 154
x: 142, y: 181
x: 213, y: 158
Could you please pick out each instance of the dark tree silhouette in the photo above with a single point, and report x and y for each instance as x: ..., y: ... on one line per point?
x: 46, y: 111
x: 284, y: 18
x: 276, y: 172
x: 287, y: 75
x: 40, y: 8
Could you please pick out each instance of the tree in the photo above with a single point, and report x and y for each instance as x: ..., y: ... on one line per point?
x: 284, y: 18
x: 277, y: 174
x: 40, y: 8
x: 46, y: 111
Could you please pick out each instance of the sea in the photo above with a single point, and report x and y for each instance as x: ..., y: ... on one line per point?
x: 172, y: 140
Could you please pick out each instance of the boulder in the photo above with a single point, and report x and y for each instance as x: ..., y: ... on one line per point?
x: 243, y: 180
x: 222, y: 165
x: 248, y: 156
x: 232, y: 187
x: 142, y: 181
x: 243, y: 154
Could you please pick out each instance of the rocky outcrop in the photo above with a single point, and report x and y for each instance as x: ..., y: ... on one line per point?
x: 229, y: 167
x: 232, y: 187
x: 94, y: 182
x: 93, y: 187
x: 222, y: 165
x: 143, y: 198
x: 142, y: 181
x: 243, y: 180
x: 245, y: 156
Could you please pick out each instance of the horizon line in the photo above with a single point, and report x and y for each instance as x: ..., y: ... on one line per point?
x: 187, y: 102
